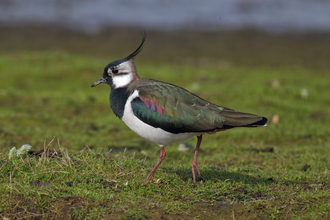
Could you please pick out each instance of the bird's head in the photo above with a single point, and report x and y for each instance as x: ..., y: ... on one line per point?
x: 120, y: 73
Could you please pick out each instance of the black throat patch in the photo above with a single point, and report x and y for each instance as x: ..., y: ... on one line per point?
x: 118, y: 98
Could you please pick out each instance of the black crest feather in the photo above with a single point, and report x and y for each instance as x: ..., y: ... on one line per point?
x: 138, y: 50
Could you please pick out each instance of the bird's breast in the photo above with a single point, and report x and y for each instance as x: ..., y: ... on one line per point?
x: 118, y: 98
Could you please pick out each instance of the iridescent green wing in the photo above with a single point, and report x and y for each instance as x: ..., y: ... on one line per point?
x: 176, y: 110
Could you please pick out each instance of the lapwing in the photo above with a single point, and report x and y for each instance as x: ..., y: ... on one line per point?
x: 163, y: 113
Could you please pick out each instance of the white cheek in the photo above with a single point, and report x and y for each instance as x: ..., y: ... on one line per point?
x: 122, y: 80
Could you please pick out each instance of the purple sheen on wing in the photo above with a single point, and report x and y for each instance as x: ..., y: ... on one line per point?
x: 147, y: 104
x: 160, y: 110
x: 153, y: 107
x: 142, y: 99
x: 150, y: 105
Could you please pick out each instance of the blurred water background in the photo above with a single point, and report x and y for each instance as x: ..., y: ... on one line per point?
x: 93, y: 16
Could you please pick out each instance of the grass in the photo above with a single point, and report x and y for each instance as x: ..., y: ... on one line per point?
x: 46, y: 93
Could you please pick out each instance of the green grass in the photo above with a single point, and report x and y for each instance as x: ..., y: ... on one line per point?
x: 46, y: 93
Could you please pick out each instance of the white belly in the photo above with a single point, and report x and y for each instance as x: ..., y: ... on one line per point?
x: 152, y: 134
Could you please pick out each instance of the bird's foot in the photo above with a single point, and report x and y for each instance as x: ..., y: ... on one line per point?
x: 145, y: 180
x: 194, y: 167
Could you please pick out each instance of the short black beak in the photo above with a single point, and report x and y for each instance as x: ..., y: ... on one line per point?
x: 99, y: 81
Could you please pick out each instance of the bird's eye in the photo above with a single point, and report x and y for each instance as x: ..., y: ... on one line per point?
x: 114, y: 71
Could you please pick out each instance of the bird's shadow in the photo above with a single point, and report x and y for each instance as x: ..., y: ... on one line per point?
x: 216, y: 174
x: 249, y: 187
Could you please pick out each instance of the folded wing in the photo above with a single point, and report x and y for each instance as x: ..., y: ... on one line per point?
x: 174, y: 109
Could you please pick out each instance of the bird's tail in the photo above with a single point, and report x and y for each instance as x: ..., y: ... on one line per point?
x: 240, y: 119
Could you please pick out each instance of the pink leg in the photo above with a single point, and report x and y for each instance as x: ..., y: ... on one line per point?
x: 160, y: 159
x: 194, y: 166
